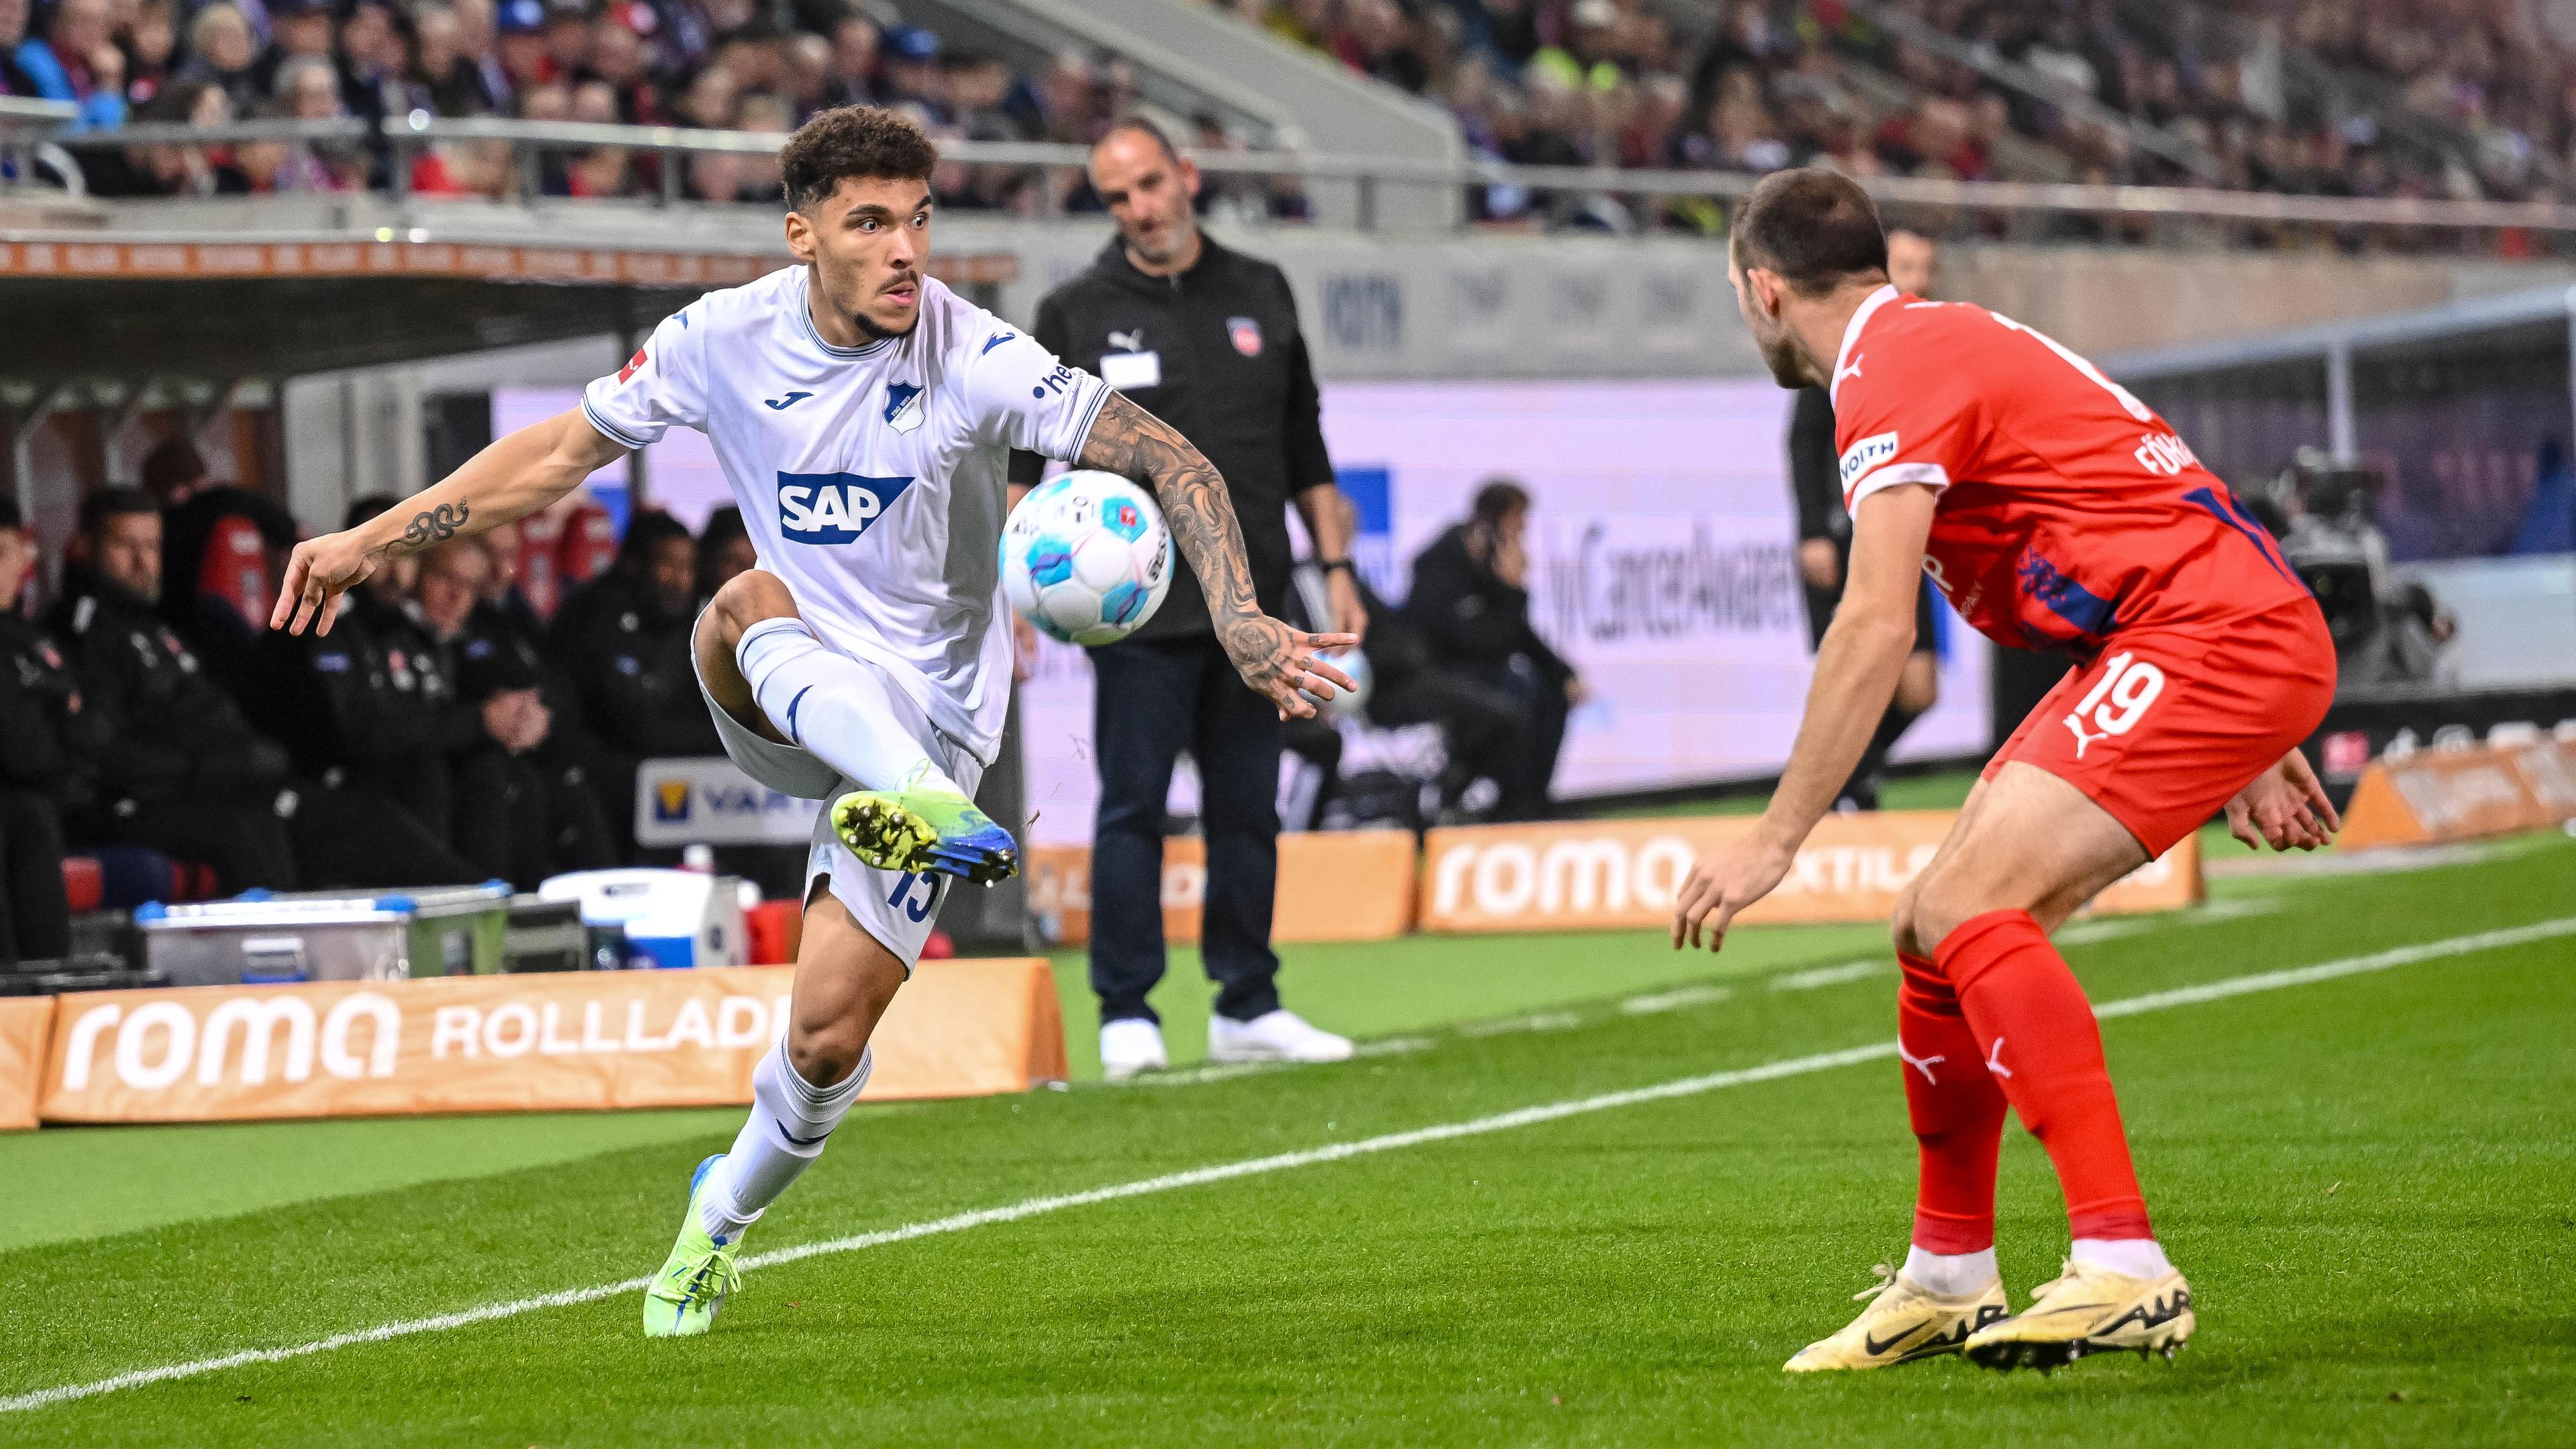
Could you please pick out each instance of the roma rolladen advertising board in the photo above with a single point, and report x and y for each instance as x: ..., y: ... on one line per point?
x: 510, y: 1043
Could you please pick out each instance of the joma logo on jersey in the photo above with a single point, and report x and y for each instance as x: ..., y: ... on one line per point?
x: 1867, y: 454
x: 833, y: 507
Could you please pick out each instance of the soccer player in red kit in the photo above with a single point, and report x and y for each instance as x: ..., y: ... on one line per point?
x: 2053, y: 510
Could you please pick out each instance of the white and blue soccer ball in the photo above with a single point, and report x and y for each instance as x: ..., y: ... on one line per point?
x: 1086, y: 558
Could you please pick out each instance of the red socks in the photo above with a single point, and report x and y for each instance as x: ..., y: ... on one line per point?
x: 2041, y: 1046
x: 1958, y: 1114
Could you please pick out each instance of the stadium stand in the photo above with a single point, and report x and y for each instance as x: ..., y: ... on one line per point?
x: 2411, y: 100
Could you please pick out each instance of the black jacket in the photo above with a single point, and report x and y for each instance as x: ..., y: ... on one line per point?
x: 176, y: 733
x: 630, y: 667
x: 1234, y: 380
x: 50, y: 741
x: 1472, y: 618
x: 1815, y: 484
x: 373, y: 696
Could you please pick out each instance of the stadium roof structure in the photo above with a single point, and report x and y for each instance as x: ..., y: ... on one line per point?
x: 2317, y: 360
x: 204, y: 311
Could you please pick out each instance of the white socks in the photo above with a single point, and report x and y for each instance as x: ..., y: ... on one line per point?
x: 1951, y: 1275
x: 2131, y: 1257
x: 835, y: 708
x: 790, y: 1117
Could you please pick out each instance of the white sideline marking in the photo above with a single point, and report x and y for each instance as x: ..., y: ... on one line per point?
x: 2084, y: 933
x: 1674, y: 1000
x: 1536, y: 1021
x: 1285, y: 1161
x: 1821, y: 976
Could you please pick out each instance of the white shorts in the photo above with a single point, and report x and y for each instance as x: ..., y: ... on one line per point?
x: 897, y: 907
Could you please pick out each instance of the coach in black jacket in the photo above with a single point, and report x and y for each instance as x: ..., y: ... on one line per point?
x: 1206, y: 339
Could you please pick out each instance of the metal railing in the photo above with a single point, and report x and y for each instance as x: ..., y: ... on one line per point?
x: 27, y: 131
x: 1989, y: 208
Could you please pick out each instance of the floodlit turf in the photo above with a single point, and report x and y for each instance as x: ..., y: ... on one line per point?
x: 2372, y: 1181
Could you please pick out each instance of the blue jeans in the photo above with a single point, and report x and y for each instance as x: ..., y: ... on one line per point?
x: 1151, y: 700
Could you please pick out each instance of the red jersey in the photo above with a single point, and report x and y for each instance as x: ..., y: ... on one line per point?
x: 2069, y: 511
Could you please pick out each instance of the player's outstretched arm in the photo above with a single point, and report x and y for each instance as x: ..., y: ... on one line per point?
x: 1856, y: 671
x: 514, y: 477
x: 1274, y: 659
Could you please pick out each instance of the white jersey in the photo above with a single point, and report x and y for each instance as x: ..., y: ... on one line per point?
x: 872, y: 478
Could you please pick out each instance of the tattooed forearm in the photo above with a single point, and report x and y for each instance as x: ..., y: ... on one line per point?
x: 434, y: 526
x: 1129, y: 441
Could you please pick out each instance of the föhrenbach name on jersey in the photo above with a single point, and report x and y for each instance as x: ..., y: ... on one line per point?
x: 2069, y: 510
x: 871, y: 478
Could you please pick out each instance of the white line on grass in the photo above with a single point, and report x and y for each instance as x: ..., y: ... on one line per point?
x: 1286, y: 1161
x: 1536, y: 1021
x: 1822, y: 976
x: 1677, y: 999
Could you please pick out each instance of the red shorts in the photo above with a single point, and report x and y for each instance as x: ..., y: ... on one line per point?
x: 2169, y: 723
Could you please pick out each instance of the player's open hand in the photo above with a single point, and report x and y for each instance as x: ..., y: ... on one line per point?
x: 2285, y: 808
x: 1280, y: 662
x: 1725, y: 883
x: 317, y: 573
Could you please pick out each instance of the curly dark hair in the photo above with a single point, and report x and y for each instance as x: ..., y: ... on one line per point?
x: 865, y: 142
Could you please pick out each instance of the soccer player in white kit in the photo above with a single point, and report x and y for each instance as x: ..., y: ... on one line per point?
x: 863, y: 415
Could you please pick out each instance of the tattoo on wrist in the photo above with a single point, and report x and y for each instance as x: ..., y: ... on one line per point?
x: 436, y: 525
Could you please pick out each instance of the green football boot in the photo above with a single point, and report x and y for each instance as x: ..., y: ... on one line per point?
x: 925, y: 829
x: 683, y: 1299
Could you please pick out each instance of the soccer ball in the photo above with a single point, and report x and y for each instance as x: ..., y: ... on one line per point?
x: 1085, y: 558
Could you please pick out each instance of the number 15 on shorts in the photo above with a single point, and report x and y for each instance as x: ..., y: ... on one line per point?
x: 2116, y: 702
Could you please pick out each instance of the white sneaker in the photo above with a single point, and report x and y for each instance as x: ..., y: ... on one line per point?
x: 1274, y: 1036
x: 1130, y: 1045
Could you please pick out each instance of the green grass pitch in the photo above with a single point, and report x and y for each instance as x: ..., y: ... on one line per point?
x: 2371, y: 1180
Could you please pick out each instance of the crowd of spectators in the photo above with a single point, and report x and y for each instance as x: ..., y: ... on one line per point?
x: 476, y: 712
x: 2198, y: 92
x: 2193, y: 93
x: 741, y: 65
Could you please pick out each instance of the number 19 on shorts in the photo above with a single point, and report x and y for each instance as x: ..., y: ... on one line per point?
x: 2116, y: 701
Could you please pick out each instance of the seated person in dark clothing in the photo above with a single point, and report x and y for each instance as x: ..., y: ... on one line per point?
x: 45, y: 737
x: 366, y: 705
x: 724, y: 550
x: 216, y: 542
x: 505, y: 602
x: 185, y: 773
x: 1480, y: 726
x: 513, y: 817
x: 623, y: 639
x: 1470, y: 601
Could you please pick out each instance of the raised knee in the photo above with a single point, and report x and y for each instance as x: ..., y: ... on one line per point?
x: 747, y: 598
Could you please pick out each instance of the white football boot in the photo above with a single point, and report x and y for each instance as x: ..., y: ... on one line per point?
x: 1274, y: 1036
x: 1129, y: 1046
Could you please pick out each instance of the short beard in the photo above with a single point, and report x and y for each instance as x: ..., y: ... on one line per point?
x: 1787, y: 368
x: 874, y: 333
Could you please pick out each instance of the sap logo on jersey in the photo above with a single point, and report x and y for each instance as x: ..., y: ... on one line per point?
x: 1867, y: 454
x: 833, y: 507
